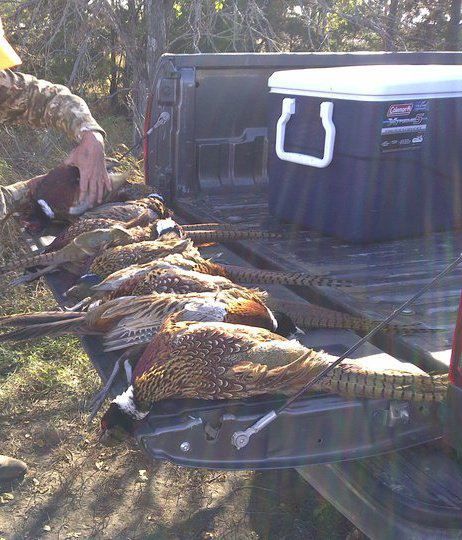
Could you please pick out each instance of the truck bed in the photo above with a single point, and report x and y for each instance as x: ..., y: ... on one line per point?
x: 410, y: 492
x: 209, y: 160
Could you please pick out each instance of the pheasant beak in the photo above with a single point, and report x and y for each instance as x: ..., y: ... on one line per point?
x: 298, y: 334
x: 112, y: 437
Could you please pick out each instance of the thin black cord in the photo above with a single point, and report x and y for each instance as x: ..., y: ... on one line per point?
x: 164, y: 117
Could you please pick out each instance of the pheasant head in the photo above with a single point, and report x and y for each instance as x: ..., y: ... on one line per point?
x: 285, y: 326
x: 57, y: 192
x: 118, y: 422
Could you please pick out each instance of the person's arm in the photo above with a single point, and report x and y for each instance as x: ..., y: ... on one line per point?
x: 24, y: 99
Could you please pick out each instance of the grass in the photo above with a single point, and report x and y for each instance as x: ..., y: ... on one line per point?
x: 77, y: 489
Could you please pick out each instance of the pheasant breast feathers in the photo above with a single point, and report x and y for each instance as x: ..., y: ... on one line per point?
x: 171, y: 280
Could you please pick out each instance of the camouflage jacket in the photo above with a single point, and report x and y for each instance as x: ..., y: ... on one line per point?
x: 24, y: 99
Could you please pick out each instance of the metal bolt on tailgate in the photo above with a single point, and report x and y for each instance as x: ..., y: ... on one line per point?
x: 397, y: 414
x: 185, y: 446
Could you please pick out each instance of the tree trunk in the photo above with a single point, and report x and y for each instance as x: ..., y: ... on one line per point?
x: 114, y: 99
x: 391, y: 26
x: 157, y: 17
x: 452, y: 37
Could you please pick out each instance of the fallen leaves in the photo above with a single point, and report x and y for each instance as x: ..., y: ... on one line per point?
x: 6, y: 498
x: 143, y: 475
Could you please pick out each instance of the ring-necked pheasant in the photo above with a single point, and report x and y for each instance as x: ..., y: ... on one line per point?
x: 119, y: 258
x: 55, y: 195
x: 110, y: 233
x: 143, y: 227
x: 134, y: 320
x: 169, y: 279
x: 142, y: 276
x: 78, y: 253
x: 88, y: 225
x: 164, y: 278
x: 110, y: 260
x: 94, y: 285
x: 135, y: 262
x: 74, y: 257
x: 226, y: 361
x: 123, y: 212
x: 129, y: 214
x: 87, y: 246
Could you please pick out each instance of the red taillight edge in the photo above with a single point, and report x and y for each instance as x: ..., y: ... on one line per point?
x: 455, y: 368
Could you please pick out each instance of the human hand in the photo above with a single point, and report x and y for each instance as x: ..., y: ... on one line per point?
x: 89, y: 158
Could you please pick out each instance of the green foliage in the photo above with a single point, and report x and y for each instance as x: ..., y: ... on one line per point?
x: 104, y: 49
x: 39, y: 367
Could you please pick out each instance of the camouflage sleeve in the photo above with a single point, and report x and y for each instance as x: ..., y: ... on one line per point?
x: 24, y: 99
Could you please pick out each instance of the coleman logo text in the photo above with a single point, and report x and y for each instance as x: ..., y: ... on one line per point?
x: 401, y: 109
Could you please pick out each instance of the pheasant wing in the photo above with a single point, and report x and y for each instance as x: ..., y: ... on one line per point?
x: 140, y: 318
x: 195, y: 360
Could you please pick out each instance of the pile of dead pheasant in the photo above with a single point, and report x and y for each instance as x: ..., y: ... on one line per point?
x: 185, y: 326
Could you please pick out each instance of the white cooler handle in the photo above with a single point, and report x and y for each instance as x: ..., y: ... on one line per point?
x: 288, y: 109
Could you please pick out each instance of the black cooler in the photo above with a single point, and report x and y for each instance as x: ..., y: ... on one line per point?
x: 367, y: 153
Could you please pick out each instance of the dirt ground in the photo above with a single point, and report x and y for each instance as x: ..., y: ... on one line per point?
x: 77, y: 489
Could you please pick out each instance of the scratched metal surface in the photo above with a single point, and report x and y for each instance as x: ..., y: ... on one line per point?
x: 384, y: 275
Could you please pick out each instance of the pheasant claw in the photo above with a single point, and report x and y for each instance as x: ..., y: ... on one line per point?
x: 100, y: 397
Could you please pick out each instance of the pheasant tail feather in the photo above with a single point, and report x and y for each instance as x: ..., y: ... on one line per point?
x: 42, y: 259
x: 347, y: 380
x: 229, y: 235
x: 250, y: 275
x: 311, y: 316
x: 31, y: 326
x: 351, y: 382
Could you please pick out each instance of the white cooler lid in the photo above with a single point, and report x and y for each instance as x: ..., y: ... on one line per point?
x: 371, y: 83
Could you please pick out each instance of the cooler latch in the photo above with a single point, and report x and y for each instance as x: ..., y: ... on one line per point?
x: 288, y: 109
